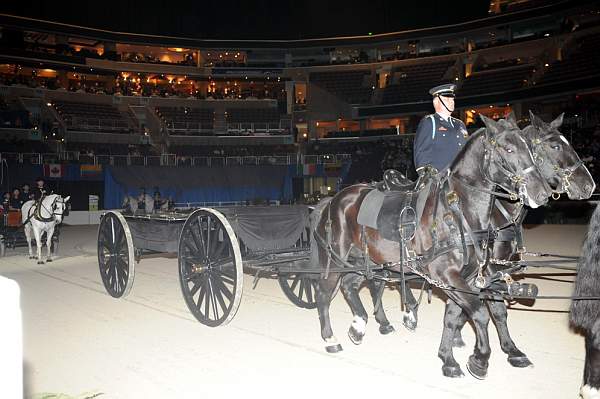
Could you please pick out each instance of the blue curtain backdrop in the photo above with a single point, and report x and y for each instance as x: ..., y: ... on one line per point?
x: 197, y: 184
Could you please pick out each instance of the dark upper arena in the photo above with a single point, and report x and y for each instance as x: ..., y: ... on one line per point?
x: 269, y: 102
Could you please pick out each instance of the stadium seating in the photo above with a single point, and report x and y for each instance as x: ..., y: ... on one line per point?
x: 187, y: 120
x: 13, y: 116
x: 584, y: 61
x: 253, y: 120
x: 411, y: 83
x: 92, y: 117
x: 347, y: 85
x: 496, y: 80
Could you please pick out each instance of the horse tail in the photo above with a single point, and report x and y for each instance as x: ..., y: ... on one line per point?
x: 584, y: 313
x: 314, y: 220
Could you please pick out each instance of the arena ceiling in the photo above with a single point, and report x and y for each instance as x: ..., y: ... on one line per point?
x: 258, y: 19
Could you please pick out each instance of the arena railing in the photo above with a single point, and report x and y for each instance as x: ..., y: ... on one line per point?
x: 215, y: 204
x: 169, y: 159
x: 257, y: 127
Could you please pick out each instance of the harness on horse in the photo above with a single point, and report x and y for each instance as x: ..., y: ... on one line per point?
x: 405, y: 197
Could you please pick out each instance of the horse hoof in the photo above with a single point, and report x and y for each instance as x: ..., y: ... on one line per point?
x: 40, y: 262
x: 334, y: 348
x: 520, y: 361
x: 588, y: 392
x: 409, y: 321
x: 32, y: 257
x: 49, y: 260
x: 387, y: 329
x: 458, y: 342
x: 355, y: 336
x: 476, y: 370
x: 452, y: 372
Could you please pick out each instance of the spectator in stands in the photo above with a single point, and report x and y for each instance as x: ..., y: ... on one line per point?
x: 157, y: 199
x: 142, y: 198
x: 25, y: 193
x: 16, y: 201
x: 5, y: 201
x: 439, y: 136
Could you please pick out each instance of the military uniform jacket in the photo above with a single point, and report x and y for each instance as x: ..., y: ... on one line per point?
x: 438, y: 141
x: 39, y: 192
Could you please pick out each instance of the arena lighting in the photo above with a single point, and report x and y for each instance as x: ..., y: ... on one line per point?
x: 546, y: 65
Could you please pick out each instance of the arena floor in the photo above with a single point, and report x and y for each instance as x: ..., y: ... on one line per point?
x: 80, y: 342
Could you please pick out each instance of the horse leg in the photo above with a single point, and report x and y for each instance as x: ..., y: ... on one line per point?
x: 49, y: 235
x: 38, y: 241
x: 516, y: 358
x: 323, y: 295
x: 375, y: 288
x: 478, y: 313
x: 479, y: 360
x: 28, y: 237
x: 452, y: 318
x: 350, y: 285
x: 591, y: 372
x: 410, y: 317
x: 459, y: 321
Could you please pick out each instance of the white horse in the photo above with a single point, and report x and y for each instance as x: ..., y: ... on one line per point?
x: 43, y: 219
x: 131, y: 203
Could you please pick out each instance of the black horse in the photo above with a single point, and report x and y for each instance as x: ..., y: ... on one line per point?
x: 462, y: 201
x: 564, y: 171
x: 585, y: 314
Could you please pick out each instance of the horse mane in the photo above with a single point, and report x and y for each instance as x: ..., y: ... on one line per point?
x: 468, y: 144
x: 585, y: 313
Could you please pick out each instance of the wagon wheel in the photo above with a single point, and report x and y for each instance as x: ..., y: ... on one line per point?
x: 300, y: 289
x: 210, y: 267
x: 115, y: 254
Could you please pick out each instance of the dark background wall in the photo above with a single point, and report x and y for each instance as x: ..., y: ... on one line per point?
x: 260, y: 19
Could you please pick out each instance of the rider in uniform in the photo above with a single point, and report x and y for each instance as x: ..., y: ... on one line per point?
x: 439, y: 136
x: 40, y: 190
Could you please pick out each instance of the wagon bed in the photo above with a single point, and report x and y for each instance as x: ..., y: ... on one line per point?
x: 214, y: 248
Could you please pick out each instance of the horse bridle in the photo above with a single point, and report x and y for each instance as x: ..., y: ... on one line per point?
x: 52, y: 212
x: 517, y: 179
x: 564, y: 174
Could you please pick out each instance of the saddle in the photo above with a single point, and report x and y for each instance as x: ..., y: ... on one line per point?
x: 394, y: 207
x: 394, y: 180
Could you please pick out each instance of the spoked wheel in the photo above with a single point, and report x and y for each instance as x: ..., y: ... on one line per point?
x: 115, y: 254
x: 210, y: 267
x: 300, y: 289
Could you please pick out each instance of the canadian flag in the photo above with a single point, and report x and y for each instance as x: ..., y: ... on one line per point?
x: 54, y: 170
